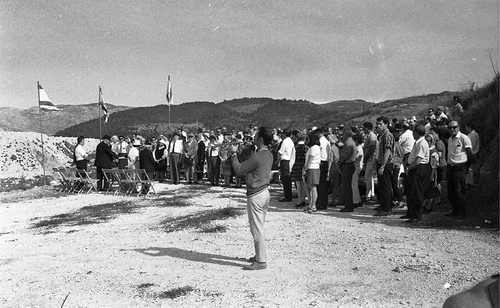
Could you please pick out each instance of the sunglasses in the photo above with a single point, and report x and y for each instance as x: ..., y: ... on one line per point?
x: 453, y: 127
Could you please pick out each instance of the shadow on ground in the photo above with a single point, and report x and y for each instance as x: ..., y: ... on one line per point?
x: 191, y: 255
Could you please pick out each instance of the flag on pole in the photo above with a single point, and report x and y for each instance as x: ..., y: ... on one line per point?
x: 169, y: 91
x: 44, y: 101
x: 103, y: 106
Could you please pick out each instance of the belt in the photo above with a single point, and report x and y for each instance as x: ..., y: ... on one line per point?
x: 174, y: 153
x: 453, y: 165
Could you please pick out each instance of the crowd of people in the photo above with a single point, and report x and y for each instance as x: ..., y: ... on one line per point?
x: 388, y: 161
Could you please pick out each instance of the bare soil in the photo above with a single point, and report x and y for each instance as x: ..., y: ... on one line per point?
x: 187, y: 247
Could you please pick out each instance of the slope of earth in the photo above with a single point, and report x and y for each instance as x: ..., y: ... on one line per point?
x: 21, y: 153
x: 112, y: 251
x: 28, y: 120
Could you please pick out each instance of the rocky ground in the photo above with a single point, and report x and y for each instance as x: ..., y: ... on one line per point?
x: 186, y: 248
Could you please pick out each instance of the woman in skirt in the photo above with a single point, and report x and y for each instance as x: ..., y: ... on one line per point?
x: 311, y: 171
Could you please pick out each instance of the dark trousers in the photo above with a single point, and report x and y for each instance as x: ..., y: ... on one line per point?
x: 101, y: 180
x: 175, y: 166
x: 397, y: 195
x: 286, y: 178
x: 385, y: 188
x: 346, y: 172
x: 418, y: 182
x: 199, y: 170
x: 456, y: 188
x: 213, y: 170
x: 323, y: 185
x: 122, y: 163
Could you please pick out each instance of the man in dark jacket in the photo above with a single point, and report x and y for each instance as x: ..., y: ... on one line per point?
x: 147, y: 162
x: 104, y: 160
x: 200, y: 159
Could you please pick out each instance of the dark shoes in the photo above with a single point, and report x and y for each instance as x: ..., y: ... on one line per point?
x: 255, y: 266
x: 412, y: 220
x: 301, y: 204
x: 285, y: 200
x: 332, y: 205
x: 356, y: 205
x: 378, y: 208
x: 344, y: 210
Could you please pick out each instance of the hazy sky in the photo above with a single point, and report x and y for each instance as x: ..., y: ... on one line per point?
x: 215, y: 50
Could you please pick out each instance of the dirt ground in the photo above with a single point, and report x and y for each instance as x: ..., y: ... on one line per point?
x: 187, y: 247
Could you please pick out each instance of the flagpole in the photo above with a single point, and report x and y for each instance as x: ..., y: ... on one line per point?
x: 41, y: 132
x: 99, y: 107
x: 169, y: 98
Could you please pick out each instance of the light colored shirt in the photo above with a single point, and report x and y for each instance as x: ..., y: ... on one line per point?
x: 456, y: 148
x: 370, y: 142
x: 133, y: 157
x: 474, y: 139
x: 420, y: 149
x: 324, y: 147
x: 313, y: 159
x: 175, y: 146
x: 359, y: 159
x: 212, y: 150
x: 407, y: 141
x: 257, y: 169
x: 286, y: 149
x: 80, y: 153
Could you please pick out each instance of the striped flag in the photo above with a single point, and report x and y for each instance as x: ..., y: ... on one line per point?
x: 169, y: 91
x: 44, y: 101
x: 103, y: 106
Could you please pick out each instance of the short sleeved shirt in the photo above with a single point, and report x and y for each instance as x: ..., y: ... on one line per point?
x: 386, y: 141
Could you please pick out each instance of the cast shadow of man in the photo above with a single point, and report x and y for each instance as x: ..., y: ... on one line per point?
x: 190, y: 255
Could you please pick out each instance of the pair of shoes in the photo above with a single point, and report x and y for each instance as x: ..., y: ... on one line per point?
x: 310, y: 210
x: 378, y: 208
x: 301, y: 204
x: 356, y: 205
x: 412, y: 220
x: 383, y: 213
x: 344, y: 210
x: 255, y: 266
x: 306, y: 209
x: 285, y: 200
x: 406, y: 217
x: 251, y: 259
x: 332, y: 205
x: 451, y: 214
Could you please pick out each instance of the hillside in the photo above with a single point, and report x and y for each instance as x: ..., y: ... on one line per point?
x: 28, y: 120
x: 346, y: 105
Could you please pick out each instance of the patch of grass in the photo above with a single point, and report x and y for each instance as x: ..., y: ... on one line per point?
x: 30, y: 194
x: 175, y: 293
x: 23, y: 183
x: 146, y: 285
x: 87, y: 215
x: 172, y: 201
x: 200, y: 220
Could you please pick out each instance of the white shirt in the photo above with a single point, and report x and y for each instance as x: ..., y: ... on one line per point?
x: 407, y: 141
x: 313, y: 158
x: 286, y: 149
x: 324, y: 147
x: 175, y: 146
x: 80, y: 153
x: 474, y: 139
x: 420, y: 149
x: 456, y: 149
x: 133, y: 156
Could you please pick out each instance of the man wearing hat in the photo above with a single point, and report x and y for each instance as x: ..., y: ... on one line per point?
x: 104, y: 160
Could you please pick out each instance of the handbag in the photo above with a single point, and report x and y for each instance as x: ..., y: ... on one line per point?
x: 433, y: 191
x: 161, y: 164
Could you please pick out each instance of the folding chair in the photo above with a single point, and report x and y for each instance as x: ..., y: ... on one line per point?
x: 143, y: 177
x: 74, y: 182
x: 89, y: 180
x: 124, y: 184
x: 63, y: 183
x: 112, y: 180
x: 134, y: 181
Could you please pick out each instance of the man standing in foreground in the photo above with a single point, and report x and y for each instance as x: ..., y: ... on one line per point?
x: 258, y: 172
x: 459, y: 154
x: 103, y: 160
x: 285, y: 155
x: 384, y: 166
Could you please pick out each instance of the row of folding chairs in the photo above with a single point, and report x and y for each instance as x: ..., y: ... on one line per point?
x: 129, y: 182
x: 77, y: 180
